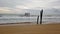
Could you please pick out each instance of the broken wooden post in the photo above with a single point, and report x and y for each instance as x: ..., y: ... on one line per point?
x: 37, y: 19
x: 41, y: 13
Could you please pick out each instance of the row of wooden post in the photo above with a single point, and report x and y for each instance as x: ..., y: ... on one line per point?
x: 41, y: 13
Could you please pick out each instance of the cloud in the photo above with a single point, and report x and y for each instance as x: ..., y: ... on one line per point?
x: 42, y: 3
x: 17, y: 6
x: 30, y: 3
x: 55, y: 4
x: 4, y: 10
x: 12, y: 3
x: 7, y: 10
x: 21, y: 7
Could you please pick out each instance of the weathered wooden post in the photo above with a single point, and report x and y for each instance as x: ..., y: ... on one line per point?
x: 41, y: 13
x: 37, y: 19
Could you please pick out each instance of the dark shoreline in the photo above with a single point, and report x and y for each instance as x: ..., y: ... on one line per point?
x: 29, y: 23
x: 16, y: 23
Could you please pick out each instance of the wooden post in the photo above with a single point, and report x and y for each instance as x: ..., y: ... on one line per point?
x: 41, y: 13
x: 37, y: 19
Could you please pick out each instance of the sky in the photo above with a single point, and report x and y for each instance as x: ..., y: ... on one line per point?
x: 17, y: 6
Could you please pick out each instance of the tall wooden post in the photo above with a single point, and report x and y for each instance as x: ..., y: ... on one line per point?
x: 41, y: 13
x: 37, y: 19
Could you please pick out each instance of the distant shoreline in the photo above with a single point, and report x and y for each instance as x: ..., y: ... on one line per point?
x: 27, y: 23
x: 16, y: 23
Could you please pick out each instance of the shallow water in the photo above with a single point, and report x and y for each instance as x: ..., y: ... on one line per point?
x: 14, y: 19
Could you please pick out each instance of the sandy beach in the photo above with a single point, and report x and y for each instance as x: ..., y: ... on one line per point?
x: 30, y: 29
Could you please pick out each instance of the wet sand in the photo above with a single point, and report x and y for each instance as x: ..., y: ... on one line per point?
x: 31, y: 29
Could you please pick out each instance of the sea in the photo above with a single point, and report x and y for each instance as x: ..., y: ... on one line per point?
x: 15, y: 18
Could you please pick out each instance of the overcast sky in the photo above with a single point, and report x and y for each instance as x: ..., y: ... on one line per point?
x: 16, y: 6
